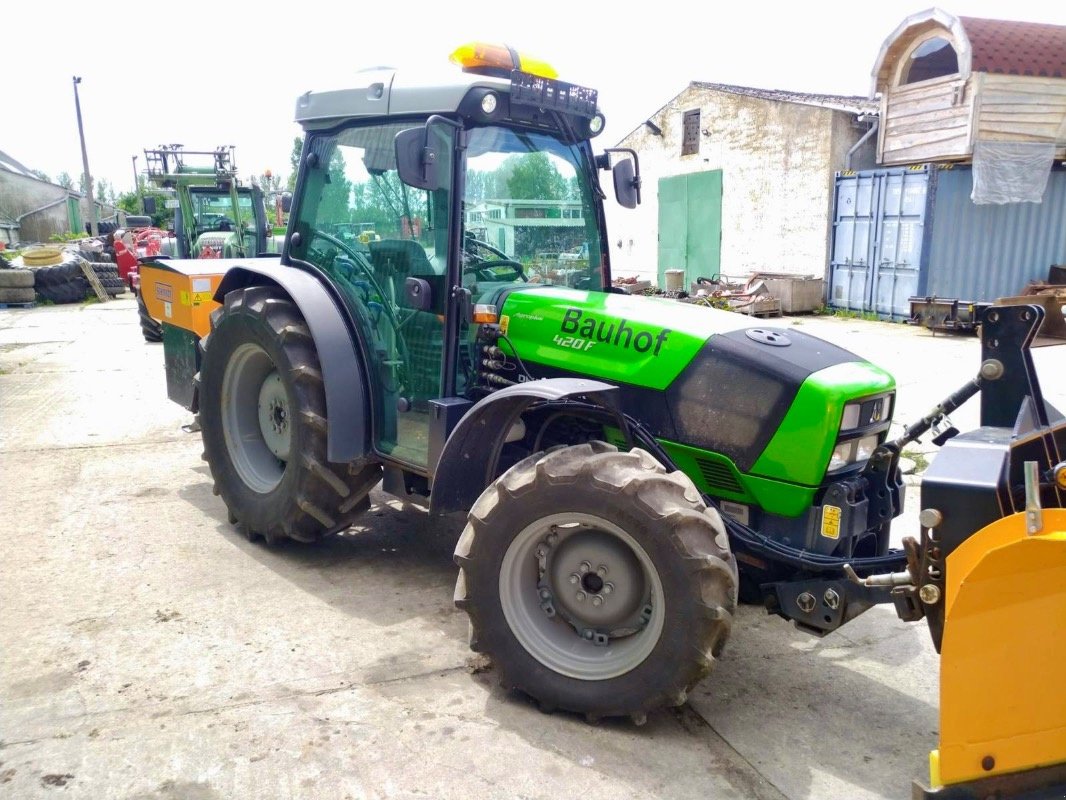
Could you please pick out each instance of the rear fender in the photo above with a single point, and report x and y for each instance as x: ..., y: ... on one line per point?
x: 347, y: 400
x: 470, y: 455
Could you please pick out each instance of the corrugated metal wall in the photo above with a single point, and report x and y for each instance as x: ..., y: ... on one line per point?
x: 957, y: 249
x: 985, y: 252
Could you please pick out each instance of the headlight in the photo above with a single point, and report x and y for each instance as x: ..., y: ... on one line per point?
x: 847, y: 453
x: 850, y: 420
x: 863, y: 413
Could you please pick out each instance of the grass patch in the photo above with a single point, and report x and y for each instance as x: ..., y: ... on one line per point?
x: 919, y: 459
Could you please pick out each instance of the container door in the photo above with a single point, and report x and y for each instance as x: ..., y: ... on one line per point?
x: 690, y: 225
x: 854, y: 232
x: 898, y: 244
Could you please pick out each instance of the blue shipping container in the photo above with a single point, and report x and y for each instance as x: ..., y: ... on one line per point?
x: 913, y: 231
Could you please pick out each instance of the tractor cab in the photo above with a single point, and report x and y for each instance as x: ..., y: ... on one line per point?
x: 437, y: 208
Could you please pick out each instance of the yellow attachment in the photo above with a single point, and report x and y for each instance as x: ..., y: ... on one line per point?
x: 181, y: 293
x: 478, y: 55
x: 1002, y: 694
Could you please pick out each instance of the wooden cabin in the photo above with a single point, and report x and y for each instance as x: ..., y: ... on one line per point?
x: 947, y: 82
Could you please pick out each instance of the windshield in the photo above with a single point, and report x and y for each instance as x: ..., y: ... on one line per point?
x: 214, y: 212
x: 528, y: 212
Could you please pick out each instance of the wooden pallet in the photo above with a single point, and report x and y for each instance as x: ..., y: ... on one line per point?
x: 90, y: 275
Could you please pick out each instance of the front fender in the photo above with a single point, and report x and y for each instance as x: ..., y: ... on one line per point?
x: 470, y: 454
x: 347, y: 400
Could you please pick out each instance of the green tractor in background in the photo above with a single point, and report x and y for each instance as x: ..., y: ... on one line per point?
x: 214, y: 216
x: 589, y: 435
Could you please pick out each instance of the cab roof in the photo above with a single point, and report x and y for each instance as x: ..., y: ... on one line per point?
x: 386, y: 91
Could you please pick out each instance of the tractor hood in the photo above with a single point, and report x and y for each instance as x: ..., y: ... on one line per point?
x: 705, y: 378
x: 619, y: 337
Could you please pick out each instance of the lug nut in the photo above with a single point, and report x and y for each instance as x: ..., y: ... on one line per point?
x: 585, y: 567
x: 575, y: 578
x: 581, y: 597
x: 607, y: 588
x: 601, y: 570
x: 545, y: 594
x: 597, y: 600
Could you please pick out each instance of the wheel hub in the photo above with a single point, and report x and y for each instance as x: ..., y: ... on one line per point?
x: 274, y: 416
x: 596, y: 580
x: 581, y: 596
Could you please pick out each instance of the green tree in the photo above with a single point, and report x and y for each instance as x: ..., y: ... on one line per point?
x: 534, y: 177
x: 294, y: 159
x: 105, y: 193
x: 65, y: 180
x: 337, y: 194
x: 129, y: 202
x: 40, y: 175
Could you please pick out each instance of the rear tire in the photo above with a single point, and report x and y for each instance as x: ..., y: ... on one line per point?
x: 151, y: 329
x: 543, y: 544
x: 263, y: 416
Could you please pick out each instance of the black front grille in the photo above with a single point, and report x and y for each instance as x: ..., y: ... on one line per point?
x: 718, y: 475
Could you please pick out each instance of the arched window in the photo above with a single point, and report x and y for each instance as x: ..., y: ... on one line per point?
x: 933, y: 58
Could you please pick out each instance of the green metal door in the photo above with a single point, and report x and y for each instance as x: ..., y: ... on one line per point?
x: 690, y: 225
x: 74, y: 215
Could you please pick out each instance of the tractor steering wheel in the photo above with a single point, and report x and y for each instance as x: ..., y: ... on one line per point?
x: 475, y: 252
x: 517, y: 272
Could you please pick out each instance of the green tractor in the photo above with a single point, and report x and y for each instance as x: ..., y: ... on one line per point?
x: 214, y: 216
x: 591, y: 437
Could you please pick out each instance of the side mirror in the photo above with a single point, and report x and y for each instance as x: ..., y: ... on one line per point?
x: 149, y: 205
x: 416, y: 161
x: 626, y: 177
x: 286, y: 202
x: 626, y: 184
x: 417, y: 294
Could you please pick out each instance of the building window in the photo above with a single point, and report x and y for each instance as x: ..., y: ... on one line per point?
x: 933, y: 58
x: 690, y: 133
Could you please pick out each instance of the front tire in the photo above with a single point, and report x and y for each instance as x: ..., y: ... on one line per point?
x: 596, y: 582
x: 263, y: 417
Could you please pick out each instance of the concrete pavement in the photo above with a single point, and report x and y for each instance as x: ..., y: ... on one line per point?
x: 150, y: 652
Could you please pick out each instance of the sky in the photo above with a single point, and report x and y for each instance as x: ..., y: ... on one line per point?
x: 205, y: 74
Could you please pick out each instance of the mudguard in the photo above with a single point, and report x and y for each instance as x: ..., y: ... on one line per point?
x: 347, y: 401
x: 471, y: 452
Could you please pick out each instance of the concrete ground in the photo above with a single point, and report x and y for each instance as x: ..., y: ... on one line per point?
x: 150, y: 652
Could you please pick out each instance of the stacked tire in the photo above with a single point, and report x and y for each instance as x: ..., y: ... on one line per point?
x: 16, y: 286
x: 62, y: 283
x: 109, y: 277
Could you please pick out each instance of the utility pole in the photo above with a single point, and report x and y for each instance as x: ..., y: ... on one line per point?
x: 94, y: 229
x: 137, y: 183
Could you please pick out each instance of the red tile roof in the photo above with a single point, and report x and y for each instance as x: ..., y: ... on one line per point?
x: 1016, y: 48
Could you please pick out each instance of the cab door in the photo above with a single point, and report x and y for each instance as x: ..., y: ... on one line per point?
x: 372, y: 235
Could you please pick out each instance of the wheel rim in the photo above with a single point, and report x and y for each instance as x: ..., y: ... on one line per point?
x: 609, y: 631
x: 258, y: 434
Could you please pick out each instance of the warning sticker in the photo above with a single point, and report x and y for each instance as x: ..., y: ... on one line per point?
x: 194, y: 298
x: 164, y: 292
x: 504, y: 322
x: 831, y: 522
